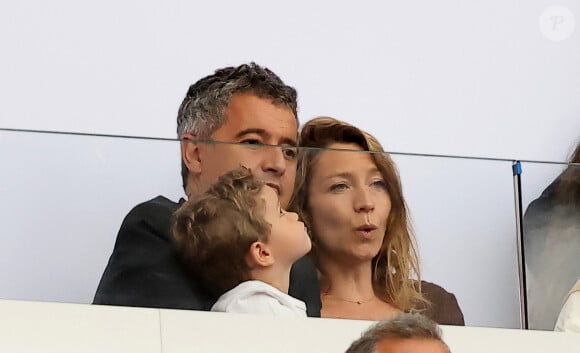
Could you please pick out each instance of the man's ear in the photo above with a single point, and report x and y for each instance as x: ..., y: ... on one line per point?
x: 259, y: 255
x: 190, y: 153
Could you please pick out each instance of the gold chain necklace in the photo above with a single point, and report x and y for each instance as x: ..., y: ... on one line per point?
x: 359, y: 302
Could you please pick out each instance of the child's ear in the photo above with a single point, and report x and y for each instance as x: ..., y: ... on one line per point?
x: 259, y: 255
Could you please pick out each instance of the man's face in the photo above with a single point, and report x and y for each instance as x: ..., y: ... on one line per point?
x: 250, y: 121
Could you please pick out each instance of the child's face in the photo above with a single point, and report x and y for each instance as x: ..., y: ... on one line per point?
x: 288, y: 239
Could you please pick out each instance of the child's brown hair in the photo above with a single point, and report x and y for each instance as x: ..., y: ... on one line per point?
x: 214, y: 231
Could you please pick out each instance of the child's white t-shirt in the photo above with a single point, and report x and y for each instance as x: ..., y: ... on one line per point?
x: 258, y: 297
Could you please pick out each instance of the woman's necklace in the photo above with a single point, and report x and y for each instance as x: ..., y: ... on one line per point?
x: 359, y: 302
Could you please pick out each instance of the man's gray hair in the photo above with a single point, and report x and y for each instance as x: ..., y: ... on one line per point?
x: 402, y: 326
x: 203, y: 108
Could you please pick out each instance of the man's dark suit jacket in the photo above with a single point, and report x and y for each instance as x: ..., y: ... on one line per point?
x: 144, y: 269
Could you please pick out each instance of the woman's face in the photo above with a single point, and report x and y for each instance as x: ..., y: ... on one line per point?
x: 349, y: 204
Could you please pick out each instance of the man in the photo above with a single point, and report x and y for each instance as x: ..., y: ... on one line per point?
x: 405, y: 333
x: 239, y: 116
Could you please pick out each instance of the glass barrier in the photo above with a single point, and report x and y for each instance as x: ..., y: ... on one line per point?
x: 64, y: 197
x: 551, y: 238
x: 464, y: 216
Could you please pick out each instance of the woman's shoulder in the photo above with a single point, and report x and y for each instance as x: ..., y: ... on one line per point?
x: 443, y: 308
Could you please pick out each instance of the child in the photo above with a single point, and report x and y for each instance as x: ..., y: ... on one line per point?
x: 240, y: 244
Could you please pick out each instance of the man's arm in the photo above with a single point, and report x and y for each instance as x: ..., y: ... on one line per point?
x: 144, y: 269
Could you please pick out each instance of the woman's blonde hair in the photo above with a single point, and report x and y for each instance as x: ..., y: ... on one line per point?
x: 397, y: 262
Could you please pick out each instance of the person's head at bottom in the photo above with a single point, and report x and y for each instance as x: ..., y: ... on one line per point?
x: 404, y: 333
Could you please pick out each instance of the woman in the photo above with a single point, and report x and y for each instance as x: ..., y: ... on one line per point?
x: 353, y: 205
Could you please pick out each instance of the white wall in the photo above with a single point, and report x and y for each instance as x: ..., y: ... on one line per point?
x: 62, y: 328
x: 446, y: 77
x: 475, y: 78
